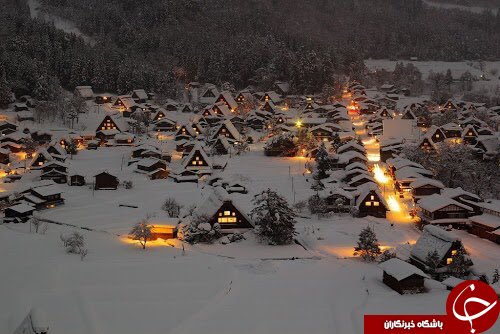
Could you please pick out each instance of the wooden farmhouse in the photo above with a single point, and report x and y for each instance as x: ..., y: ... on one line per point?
x: 84, y: 92
x: 439, y: 209
x: 197, y: 160
x: 403, y: 277
x: 18, y: 213
x: 228, y: 130
x: 222, y: 210
x: 436, y: 134
x: 105, y: 181
x: 424, y: 186
x: 370, y: 202
x: 226, y: 98
x: 435, y: 239
x: 43, y: 197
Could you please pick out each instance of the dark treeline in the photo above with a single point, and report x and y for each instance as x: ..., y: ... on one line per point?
x: 160, y: 44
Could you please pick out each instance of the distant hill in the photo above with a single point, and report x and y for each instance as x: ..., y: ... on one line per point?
x: 158, y: 44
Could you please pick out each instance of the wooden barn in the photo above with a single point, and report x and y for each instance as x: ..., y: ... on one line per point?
x: 486, y: 226
x: 403, y: 277
x: 105, y: 181
x: 76, y: 180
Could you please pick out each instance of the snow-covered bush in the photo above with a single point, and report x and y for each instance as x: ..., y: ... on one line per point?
x: 300, y: 206
x: 234, y: 237
x: 368, y: 248
x: 198, y: 229
x: 387, y: 255
x: 274, y: 219
x: 128, y: 184
x: 171, y: 207
x: 74, y: 243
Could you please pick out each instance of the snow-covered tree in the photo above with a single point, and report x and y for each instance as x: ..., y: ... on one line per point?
x: 5, y: 94
x: 432, y: 259
x: 198, y: 229
x: 274, y: 219
x: 323, y: 162
x: 460, y: 264
x: 317, y: 205
x: 368, y: 247
x: 172, y: 207
x: 142, y: 232
x: 387, y: 255
x: 73, y: 243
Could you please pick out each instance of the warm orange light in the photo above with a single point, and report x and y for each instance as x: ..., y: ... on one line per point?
x: 393, y: 204
x: 298, y: 124
x: 380, y: 175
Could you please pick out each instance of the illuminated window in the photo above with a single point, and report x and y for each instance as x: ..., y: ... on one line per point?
x: 372, y: 197
x: 454, y: 252
x: 376, y: 203
x: 194, y: 162
x: 437, y: 135
x: 368, y: 203
x: 227, y: 217
x: 449, y: 260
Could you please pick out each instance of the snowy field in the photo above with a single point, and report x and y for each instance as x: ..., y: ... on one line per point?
x: 243, y: 287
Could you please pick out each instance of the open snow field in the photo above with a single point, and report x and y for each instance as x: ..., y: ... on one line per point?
x: 243, y: 287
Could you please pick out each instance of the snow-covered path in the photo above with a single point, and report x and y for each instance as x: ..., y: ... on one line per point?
x: 59, y: 23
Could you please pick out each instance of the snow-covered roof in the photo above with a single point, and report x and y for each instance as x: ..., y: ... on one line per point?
x: 356, y: 165
x: 433, y: 239
x: 47, y: 191
x: 197, y: 148
x: 424, y: 181
x: 22, y: 208
x: 400, y: 269
x: 436, y: 202
x: 84, y: 91
x: 486, y: 220
x: 352, y: 145
x: 458, y: 192
x: 141, y: 94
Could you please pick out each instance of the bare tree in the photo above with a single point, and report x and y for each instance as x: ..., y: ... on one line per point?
x: 142, y: 232
x: 171, y: 207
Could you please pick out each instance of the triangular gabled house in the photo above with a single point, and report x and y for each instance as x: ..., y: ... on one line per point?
x: 271, y: 96
x: 197, y: 160
x: 427, y: 144
x: 139, y: 96
x: 221, y: 146
x: 269, y: 107
x: 449, y: 105
x: 220, y: 208
x: 228, y: 130
x: 436, y: 134
x: 185, y: 131
x: 159, y: 114
x: 209, y: 95
x: 226, y: 98
x: 469, y: 135
x: 408, y: 114
x: 370, y: 202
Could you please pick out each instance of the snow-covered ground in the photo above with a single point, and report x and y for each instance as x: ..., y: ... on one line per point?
x: 243, y: 287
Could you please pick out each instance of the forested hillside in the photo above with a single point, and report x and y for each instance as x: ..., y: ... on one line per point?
x: 162, y: 44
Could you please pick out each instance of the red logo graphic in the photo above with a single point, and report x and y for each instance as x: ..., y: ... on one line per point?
x: 472, y: 307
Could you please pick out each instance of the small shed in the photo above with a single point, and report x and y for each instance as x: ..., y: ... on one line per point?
x: 105, y: 181
x: 403, y: 277
x: 19, y: 213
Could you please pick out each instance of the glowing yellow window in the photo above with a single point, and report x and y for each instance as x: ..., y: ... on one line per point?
x: 449, y: 260
x: 368, y: 203
x: 437, y: 135
x: 376, y: 203
x: 197, y: 158
x: 194, y: 162
x: 227, y: 213
x: 454, y: 252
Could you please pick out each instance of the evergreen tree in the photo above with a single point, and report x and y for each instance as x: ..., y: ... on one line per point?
x: 317, y: 205
x: 274, y: 219
x: 368, y: 247
x: 432, y: 260
x: 459, y: 266
x: 322, y: 162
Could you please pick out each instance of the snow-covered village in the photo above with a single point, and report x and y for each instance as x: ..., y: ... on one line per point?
x: 164, y: 173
